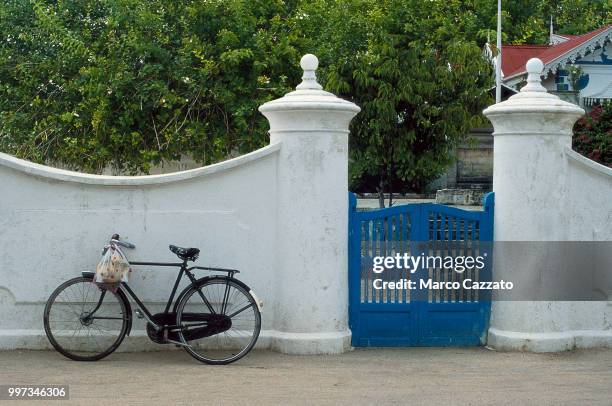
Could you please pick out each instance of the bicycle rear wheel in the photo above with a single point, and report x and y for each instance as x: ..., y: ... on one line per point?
x: 83, y: 321
x: 219, y: 320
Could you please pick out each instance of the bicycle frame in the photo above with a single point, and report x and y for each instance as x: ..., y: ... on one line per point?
x: 215, y: 317
x: 184, y: 270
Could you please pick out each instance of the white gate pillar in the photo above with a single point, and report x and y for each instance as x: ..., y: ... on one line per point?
x: 311, y: 314
x: 531, y: 131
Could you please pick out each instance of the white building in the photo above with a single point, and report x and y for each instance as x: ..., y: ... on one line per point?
x: 591, y: 51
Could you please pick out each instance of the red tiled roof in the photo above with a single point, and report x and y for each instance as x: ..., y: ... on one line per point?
x: 514, y: 57
x: 568, y: 36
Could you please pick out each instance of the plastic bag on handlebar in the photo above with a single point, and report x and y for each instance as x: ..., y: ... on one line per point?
x: 113, y: 268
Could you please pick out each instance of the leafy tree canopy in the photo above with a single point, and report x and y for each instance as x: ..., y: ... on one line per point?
x: 593, y: 134
x: 129, y: 83
x: 420, y: 82
x: 528, y: 21
x: 92, y: 83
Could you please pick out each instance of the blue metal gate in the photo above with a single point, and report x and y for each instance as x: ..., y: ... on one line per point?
x: 422, y: 316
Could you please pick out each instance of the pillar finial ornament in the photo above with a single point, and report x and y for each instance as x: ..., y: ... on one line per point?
x: 309, y: 64
x: 534, y: 69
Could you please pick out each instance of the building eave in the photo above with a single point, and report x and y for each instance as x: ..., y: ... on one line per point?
x: 578, y: 52
x: 571, y: 55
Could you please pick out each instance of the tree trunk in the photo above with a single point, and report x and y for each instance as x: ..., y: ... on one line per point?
x: 390, y: 172
x: 381, y: 194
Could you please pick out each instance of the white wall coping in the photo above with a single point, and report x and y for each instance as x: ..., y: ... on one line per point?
x: 597, y: 167
x: 48, y: 172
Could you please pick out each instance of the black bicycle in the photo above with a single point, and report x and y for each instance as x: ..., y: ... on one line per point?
x: 216, y: 318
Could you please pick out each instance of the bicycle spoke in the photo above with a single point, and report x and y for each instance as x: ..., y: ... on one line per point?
x: 65, y: 321
x: 239, y: 311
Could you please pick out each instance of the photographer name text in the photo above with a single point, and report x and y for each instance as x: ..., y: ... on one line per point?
x: 457, y: 264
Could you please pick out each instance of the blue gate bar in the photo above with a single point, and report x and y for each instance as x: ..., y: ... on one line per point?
x: 417, y: 317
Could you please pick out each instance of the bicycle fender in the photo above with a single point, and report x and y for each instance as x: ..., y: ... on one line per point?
x: 204, y: 279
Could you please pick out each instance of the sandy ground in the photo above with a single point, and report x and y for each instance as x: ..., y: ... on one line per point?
x: 420, y: 376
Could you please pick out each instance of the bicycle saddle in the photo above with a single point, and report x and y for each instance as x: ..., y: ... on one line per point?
x: 186, y: 254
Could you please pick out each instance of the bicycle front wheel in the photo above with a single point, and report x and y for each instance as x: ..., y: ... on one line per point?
x: 85, y: 322
x: 219, y: 321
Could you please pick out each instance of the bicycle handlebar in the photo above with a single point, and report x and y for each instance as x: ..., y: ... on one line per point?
x: 115, y: 240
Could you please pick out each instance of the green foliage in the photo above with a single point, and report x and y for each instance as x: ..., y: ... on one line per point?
x: 593, y: 134
x: 128, y: 83
x: 420, y: 83
x: 528, y: 21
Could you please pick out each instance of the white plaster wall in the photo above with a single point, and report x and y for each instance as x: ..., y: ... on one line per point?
x: 561, y: 195
x: 314, y: 297
x: 580, y: 211
x: 278, y: 214
x: 590, y: 211
x: 54, y: 223
x: 544, y: 191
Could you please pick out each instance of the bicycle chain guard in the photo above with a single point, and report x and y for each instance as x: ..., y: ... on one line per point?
x: 216, y: 324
